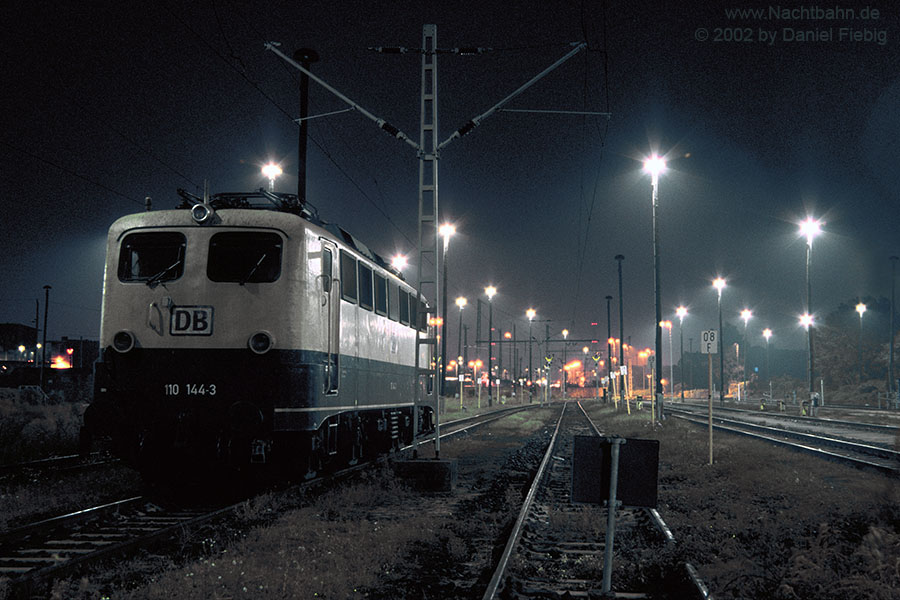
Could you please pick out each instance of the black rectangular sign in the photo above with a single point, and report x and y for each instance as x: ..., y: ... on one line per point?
x: 191, y: 320
x: 638, y: 471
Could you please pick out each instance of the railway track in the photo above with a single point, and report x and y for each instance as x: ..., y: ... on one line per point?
x: 550, y: 551
x: 56, y: 547
x: 827, y: 444
x: 60, y: 546
x: 55, y: 464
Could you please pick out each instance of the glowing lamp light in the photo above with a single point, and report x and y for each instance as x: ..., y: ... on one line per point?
x: 446, y: 230
x: 491, y: 291
x: 271, y: 171
x: 810, y: 228
x: 719, y: 284
x: 655, y: 165
x: 531, y: 314
x: 806, y: 320
x: 767, y: 333
x: 745, y: 315
x: 860, y: 308
x: 681, y: 312
x: 399, y: 262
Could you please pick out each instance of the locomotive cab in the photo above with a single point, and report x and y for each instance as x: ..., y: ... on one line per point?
x: 244, y: 338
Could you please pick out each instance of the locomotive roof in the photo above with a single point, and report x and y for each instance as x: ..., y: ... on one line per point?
x: 263, y: 199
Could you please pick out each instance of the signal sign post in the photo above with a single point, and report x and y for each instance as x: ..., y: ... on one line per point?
x: 709, y: 345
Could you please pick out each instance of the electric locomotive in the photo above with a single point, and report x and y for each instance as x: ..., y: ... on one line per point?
x: 240, y: 332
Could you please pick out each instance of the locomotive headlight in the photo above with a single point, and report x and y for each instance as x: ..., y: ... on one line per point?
x: 123, y: 341
x: 261, y: 342
x: 201, y: 213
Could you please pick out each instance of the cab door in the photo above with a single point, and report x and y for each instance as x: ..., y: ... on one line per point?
x: 330, y: 290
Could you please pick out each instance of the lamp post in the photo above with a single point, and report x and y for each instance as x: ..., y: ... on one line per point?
x: 565, y: 334
x: 461, y: 303
x: 719, y: 284
x: 767, y: 333
x: 806, y: 321
x: 619, y: 259
x: 44, y: 347
x: 656, y: 165
x: 609, y: 360
x: 810, y: 228
x: 668, y: 325
x: 681, y: 312
x: 860, y: 308
x: 746, y: 314
x: 584, y: 362
x: 490, y: 291
x: 445, y: 231
x: 531, y: 314
x: 271, y: 171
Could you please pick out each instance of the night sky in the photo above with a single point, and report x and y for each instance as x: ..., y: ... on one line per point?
x: 107, y: 103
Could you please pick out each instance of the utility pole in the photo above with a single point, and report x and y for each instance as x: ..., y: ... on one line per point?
x: 305, y: 56
x: 620, y: 258
x: 44, y: 346
x: 608, y: 348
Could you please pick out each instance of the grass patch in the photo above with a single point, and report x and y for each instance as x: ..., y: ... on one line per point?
x: 36, y: 427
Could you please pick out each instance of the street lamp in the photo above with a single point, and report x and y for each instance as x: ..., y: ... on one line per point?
x: 656, y: 165
x: 767, y: 333
x: 860, y: 308
x: 271, y: 171
x: 490, y: 291
x: 809, y: 229
x: 531, y: 314
x: 746, y: 314
x: 399, y: 261
x: 461, y: 303
x: 668, y: 325
x: 719, y: 284
x: 609, y: 360
x: 619, y: 259
x: 584, y: 362
x: 445, y: 231
x: 681, y: 312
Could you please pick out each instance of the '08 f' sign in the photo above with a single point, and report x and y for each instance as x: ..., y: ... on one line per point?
x: 191, y: 320
x: 709, y: 342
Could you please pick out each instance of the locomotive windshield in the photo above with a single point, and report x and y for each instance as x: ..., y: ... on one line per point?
x: 152, y: 257
x: 244, y: 257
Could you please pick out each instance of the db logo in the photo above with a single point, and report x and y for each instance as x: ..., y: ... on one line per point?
x: 191, y: 320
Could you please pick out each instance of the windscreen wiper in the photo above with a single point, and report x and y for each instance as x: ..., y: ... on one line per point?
x: 253, y: 270
x: 155, y: 280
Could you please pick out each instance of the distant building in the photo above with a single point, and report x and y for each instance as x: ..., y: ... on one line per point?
x: 18, y: 343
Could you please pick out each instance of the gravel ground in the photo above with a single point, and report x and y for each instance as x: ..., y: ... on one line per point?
x: 761, y: 522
